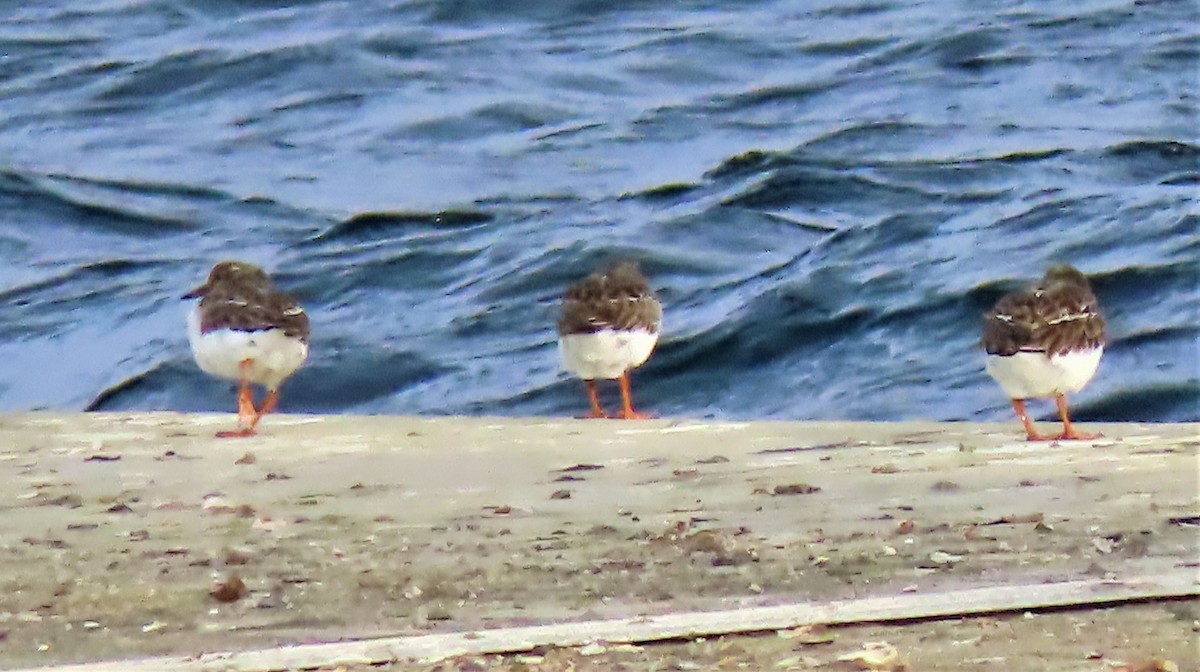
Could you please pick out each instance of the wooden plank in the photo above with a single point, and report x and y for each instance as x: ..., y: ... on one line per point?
x: 1179, y: 584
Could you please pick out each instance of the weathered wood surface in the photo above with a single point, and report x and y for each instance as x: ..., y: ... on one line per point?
x: 115, y: 526
x: 425, y: 648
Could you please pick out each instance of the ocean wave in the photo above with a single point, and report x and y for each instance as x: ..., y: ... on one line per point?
x: 826, y: 198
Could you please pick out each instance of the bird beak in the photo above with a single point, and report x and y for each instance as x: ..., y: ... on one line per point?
x: 196, y: 293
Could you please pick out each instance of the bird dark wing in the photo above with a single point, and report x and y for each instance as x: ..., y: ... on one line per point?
x: 1054, y: 321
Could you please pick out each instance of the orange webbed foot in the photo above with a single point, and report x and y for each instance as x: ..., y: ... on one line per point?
x: 594, y: 400
x: 1069, y: 432
x: 1076, y: 435
x: 627, y: 412
x: 247, y: 416
x: 238, y: 433
x: 1040, y: 437
x: 1031, y: 433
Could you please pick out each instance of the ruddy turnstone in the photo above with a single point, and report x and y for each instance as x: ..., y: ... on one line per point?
x: 609, y: 325
x: 1045, y: 341
x: 244, y: 329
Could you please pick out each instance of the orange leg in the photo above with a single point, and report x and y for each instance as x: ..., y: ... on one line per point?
x: 1069, y: 431
x: 594, y: 399
x: 269, y: 403
x: 1030, y: 431
x: 627, y: 412
x: 247, y: 416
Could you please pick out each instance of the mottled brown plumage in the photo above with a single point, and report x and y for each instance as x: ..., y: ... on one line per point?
x: 1058, y: 315
x: 618, y: 298
x: 241, y: 296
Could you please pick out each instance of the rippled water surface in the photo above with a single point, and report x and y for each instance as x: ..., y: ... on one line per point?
x: 826, y: 195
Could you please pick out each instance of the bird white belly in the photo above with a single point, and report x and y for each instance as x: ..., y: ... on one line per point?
x: 1027, y: 375
x: 273, y: 356
x: 605, y: 354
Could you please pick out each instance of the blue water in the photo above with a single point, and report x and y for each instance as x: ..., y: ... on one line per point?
x: 826, y: 195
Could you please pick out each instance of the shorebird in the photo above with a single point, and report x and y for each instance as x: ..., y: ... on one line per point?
x: 609, y: 325
x: 246, y: 330
x: 1045, y: 341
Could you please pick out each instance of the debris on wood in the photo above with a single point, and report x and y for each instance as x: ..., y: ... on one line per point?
x: 1017, y: 519
x: 795, y: 489
x: 808, y: 635
x: 1153, y: 665
x: 581, y: 467
x: 715, y: 459
x: 944, y: 558
x: 215, y: 503
x: 593, y: 649
x: 875, y: 656
x: 229, y: 589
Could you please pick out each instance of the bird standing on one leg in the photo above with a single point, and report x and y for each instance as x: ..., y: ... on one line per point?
x: 1045, y: 341
x: 609, y: 325
x: 245, y: 330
